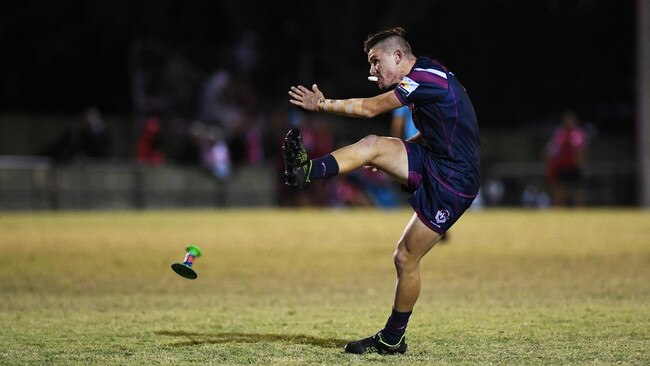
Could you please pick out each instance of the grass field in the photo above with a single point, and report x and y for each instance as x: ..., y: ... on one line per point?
x: 282, y: 287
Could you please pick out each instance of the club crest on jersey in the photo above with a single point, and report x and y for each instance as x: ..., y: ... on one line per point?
x: 442, y: 216
x: 408, y: 85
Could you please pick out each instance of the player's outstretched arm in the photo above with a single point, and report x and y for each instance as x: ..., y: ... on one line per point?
x: 314, y: 100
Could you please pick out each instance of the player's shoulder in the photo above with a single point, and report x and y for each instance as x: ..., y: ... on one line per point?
x: 424, y: 63
x: 429, y: 71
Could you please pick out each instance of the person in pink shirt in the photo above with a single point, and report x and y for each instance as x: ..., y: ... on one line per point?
x: 564, y: 162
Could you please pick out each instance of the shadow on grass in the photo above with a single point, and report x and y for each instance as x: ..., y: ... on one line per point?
x: 205, y: 338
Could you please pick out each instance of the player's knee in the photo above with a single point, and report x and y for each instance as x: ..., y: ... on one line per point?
x: 369, y: 143
x: 398, y: 259
x: 370, y: 147
x: 403, y: 259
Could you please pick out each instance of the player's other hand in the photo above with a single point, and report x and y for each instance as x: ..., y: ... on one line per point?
x: 305, y: 98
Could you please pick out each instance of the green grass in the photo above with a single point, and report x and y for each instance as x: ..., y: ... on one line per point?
x: 282, y: 287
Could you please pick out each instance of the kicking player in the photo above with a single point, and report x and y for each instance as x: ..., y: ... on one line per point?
x: 440, y: 167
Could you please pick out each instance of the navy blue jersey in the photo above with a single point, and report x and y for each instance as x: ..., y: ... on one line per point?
x: 444, y: 115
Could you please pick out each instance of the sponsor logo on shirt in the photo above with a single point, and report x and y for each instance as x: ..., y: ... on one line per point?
x: 408, y: 85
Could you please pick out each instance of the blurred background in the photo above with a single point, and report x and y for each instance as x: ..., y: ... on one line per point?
x: 165, y: 104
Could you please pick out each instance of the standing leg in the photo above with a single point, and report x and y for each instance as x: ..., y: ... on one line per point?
x: 416, y: 241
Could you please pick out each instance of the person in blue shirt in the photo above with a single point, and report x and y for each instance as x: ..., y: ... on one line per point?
x: 402, y: 125
x: 440, y: 166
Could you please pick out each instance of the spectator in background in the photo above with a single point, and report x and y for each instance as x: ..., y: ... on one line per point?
x: 211, y: 148
x: 149, y: 149
x: 217, y: 157
x: 216, y: 106
x: 564, y: 161
x: 94, y: 139
x: 91, y: 139
x: 254, y: 140
x: 402, y: 125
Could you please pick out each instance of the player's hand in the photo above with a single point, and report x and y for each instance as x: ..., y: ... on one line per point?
x: 368, y: 166
x: 305, y: 98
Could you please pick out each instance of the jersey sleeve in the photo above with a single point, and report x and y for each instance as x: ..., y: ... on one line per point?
x: 422, y: 86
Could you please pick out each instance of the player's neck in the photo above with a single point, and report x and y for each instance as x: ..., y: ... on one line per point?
x: 408, y: 64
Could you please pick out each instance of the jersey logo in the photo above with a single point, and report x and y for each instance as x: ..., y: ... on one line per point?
x: 408, y: 85
x: 442, y: 216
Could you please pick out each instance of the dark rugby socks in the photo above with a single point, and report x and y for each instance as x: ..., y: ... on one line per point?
x: 323, y: 167
x: 395, y: 327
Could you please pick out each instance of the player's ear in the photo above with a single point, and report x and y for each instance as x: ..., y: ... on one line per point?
x: 397, y: 56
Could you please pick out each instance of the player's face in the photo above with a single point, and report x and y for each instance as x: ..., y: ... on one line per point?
x: 383, y: 65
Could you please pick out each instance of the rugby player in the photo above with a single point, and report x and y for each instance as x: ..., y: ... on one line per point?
x: 440, y: 166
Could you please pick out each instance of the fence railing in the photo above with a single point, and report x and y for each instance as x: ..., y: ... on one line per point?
x: 33, y: 183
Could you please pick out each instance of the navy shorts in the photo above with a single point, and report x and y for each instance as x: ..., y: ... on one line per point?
x: 436, y: 204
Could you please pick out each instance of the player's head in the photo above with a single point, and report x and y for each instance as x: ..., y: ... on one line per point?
x: 387, y: 52
x: 569, y: 118
x: 394, y: 37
